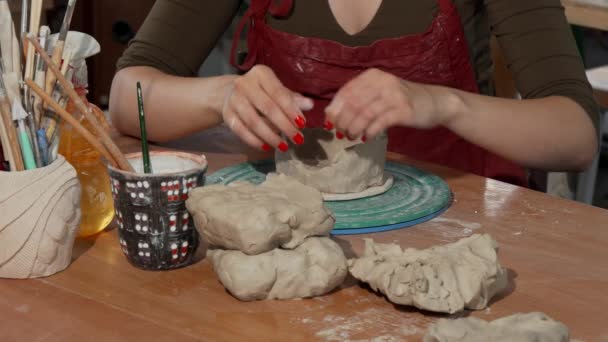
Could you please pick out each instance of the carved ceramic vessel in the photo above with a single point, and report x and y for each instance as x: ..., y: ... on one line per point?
x: 40, y: 214
x: 154, y: 226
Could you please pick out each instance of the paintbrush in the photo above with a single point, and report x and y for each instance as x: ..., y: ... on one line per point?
x: 43, y: 146
x: 30, y: 127
x: 8, y: 39
x: 35, y: 13
x: 30, y: 65
x: 67, y: 58
x: 4, y: 140
x: 52, y: 120
x: 83, y: 46
x: 144, y: 134
x: 30, y: 123
x: 24, y: 22
x: 60, y: 44
x: 7, y: 152
x: 53, y: 150
x: 7, y: 155
x: 40, y: 75
x: 105, y: 138
x: 90, y: 138
x: 7, y: 123
x: 19, y: 115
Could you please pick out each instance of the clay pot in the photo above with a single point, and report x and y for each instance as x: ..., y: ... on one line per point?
x: 39, y: 221
x: 336, y: 166
x: 154, y: 227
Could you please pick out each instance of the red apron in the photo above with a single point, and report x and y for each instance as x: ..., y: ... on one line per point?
x: 318, y: 68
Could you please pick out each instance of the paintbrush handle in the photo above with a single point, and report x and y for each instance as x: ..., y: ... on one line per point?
x: 144, y: 133
x: 25, y: 12
x: 6, y: 146
x: 35, y: 14
x: 5, y: 110
x: 57, y: 55
x: 90, y: 138
x: 40, y: 79
x: 31, y: 131
x: 123, y: 164
x: 26, y: 147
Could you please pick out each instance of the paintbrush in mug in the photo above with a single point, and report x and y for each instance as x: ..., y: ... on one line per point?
x: 24, y: 22
x: 40, y: 74
x: 7, y: 157
x: 43, y: 146
x: 30, y: 127
x: 19, y: 115
x: 34, y: 24
x: 58, y: 91
x: 144, y: 134
x: 60, y: 44
x: 4, y: 139
x: 105, y: 138
x: 28, y: 72
x: 52, y: 120
x: 88, y: 136
x: 11, y: 134
x: 8, y: 39
x: 58, y: 95
x: 7, y: 143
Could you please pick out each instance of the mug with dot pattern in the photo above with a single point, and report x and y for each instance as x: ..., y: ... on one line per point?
x: 154, y: 227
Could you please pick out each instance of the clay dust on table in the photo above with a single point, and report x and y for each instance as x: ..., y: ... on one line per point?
x: 450, y: 229
x: 374, y: 324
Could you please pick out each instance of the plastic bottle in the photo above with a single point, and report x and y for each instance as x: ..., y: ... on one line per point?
x: 96, y: 199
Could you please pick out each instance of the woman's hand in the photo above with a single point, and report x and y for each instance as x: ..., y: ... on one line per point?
x: 258, y: 108
x: 375, y: 100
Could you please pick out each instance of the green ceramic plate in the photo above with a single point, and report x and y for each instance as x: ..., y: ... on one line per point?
x: 416, y: 196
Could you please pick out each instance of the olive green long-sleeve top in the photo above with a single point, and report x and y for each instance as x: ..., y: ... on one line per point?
x: 534, y: 35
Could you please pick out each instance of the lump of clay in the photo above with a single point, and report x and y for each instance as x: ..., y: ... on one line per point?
x: 449, y: 278
x: 530, y: 327
x: 314, y: 268
x: 256, y: 219
x: 335, y: 166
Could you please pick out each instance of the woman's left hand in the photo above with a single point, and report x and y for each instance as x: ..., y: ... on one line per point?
x: 376, y: 100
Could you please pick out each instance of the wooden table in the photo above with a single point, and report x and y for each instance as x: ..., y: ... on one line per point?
x: 586, y: 14
x: 556, y: 252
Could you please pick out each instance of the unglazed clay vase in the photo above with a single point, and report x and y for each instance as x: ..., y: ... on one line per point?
x: 40, y: 214
x: 154, y: 226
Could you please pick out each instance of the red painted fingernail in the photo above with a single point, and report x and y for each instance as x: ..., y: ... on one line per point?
x: 328, y: 126
x: 364, y: 138
x: 298, y: 139
x: 300, y: 122
x: 339, y: 135
x: 283, y: 147
x: 349, y: 138
x: 266, y: 148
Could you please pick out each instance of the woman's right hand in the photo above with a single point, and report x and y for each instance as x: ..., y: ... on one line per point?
x: 258, y: 108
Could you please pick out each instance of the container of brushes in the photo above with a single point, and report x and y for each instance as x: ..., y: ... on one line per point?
x: 39, y: 222
x: 96, y: 201
x: 154, y: 226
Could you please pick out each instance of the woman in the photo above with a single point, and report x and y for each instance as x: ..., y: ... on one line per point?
x: 419, y: 69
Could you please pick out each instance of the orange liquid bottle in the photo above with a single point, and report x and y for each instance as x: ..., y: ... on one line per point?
x: 96, y: 200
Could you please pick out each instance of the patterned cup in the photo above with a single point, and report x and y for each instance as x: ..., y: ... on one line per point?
x: 154, y: 226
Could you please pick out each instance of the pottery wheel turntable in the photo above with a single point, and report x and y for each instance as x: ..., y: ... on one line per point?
x: 414, y: 197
